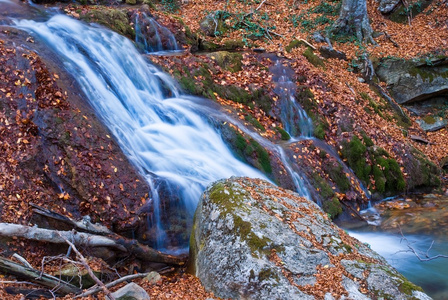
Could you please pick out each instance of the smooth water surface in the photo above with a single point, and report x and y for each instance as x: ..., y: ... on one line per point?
x: 421, y: 224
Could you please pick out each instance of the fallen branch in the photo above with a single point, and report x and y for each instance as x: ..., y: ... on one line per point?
x: 392, y: 102
x: 22, y: 260
x: 420, y: 139
x: 353, y: 210
x: 84, y: 224
x: 391, y: 40
x: 427, y: 256
x: 89, y: 270
x: 12, y: 268
x: 115, y: 242
x: 97, y: 289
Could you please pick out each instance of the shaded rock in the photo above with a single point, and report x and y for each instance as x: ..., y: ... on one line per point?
x: 115, y: 19
x: 433, y: 125
x: 212, y: 25
x: 328, y: 52
x: 410, y: 81
x: 401, y: 13
x: 131, y: 291
x: 387, y: 6
x: 253, y: 240
x: 317, y: 36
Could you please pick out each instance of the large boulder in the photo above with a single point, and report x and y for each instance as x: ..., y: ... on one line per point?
x: 253, y: 240
x: 387, y: 6
x: 414, y: 80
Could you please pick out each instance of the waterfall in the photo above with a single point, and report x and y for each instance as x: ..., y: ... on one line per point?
x: 294, y: 118
x: 174, y: 147
x: 150, y: 36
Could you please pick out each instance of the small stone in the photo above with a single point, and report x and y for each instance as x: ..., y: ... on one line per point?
x: 131, y: 291
x: 329, y: 52
x: 153, y: 277
x: 362, y: 80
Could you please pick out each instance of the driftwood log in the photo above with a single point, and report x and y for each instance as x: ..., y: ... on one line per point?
x: 55, y: 284
x: 115, y: 242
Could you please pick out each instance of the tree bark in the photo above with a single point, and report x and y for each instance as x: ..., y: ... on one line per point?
x: 11, y: 268
x: 353, y: 19
x: 112, y: 241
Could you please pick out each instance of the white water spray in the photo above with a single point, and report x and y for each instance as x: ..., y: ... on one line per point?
x: 169, y: 143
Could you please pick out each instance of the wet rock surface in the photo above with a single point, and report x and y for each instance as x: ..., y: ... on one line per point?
x: 65, y: 159
x: 252, y: 240
x: 414, y: 80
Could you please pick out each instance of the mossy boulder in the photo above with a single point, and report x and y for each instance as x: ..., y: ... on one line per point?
x: 115, y: 19
x: 213, y: 25
x: 400, y: 13
x: 414, y: 80
x: 253, y: 240
x: 368, y: 161
x: 230, y: 61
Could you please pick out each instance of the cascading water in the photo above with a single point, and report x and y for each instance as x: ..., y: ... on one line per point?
x: 171, y: 145
x: 293, y: 116
x: 150, y: 36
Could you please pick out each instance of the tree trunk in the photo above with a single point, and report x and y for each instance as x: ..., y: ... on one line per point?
x: 353, y: 19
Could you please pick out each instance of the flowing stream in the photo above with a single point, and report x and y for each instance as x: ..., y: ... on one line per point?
x: 424, y: 223
x: 173, y: 146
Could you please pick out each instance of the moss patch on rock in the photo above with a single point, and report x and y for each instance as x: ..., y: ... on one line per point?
x: 115, y: 19
x: 368, y: 161
x: 313, y: 58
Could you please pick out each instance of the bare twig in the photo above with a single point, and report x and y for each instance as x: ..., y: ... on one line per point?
x: 96, y: 289
x: 309, y: 44
x: 22, y: 260
x: 391, y: 40
x: 259, y: 6
x: 89, y: 270
x: 9, y: 267
x: 84, y: 224
x: 426, y: 257
x: 17, y: 282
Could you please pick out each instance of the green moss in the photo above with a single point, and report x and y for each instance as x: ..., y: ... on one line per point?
x: 429, y: 119
x: 115, y: 19
x: 337, y: 175
x: 233, y: 44
x: 407, y: 287
x: 412, y: 9
x: 425, y: 171
x: 294, y: 44
x: 262, y: 155
x: 284, y: 135
x: 380, y: 180
x: 355, y: 152
x: 254, y: 122
x: 319, y: 131
x: 250, y: 150
x: 366, y: 139
x: 189, y: 85
x: 268, y: 274
x: 231, y: 203
x: 313, y: 58
x: 322, y: 187
x: 332, y: 207
x: 230, y: 61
